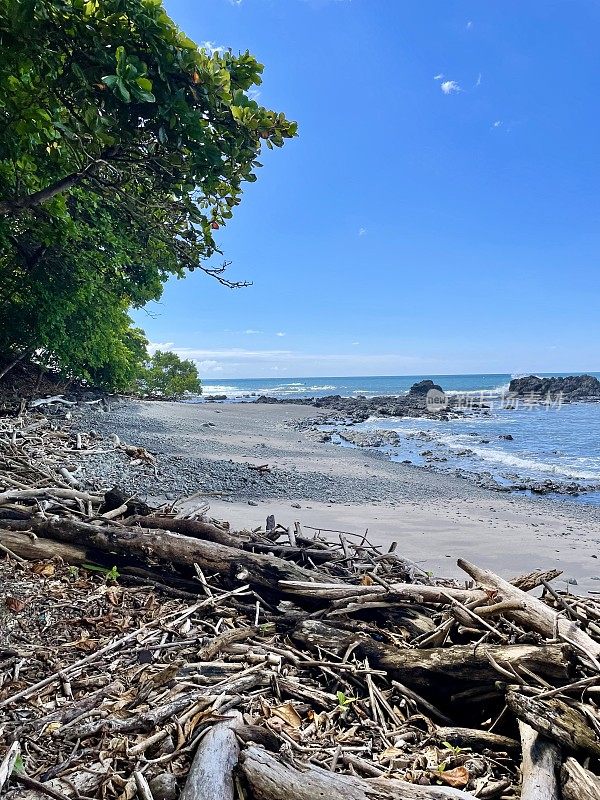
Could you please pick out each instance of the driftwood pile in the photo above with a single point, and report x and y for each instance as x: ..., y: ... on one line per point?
x: 157, y: 655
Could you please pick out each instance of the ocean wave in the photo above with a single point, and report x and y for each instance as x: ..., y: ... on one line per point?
x: 498, y: 456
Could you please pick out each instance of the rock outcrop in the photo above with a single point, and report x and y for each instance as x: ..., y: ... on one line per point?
x: 574, y: 387
x: 421, y: 388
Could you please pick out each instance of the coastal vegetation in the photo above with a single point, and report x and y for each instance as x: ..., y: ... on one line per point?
x: 167, y: 375
x: 124, y: 147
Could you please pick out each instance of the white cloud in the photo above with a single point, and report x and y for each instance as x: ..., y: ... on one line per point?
x: 280, y: 333
x: 362, y: 231
x: 478, y: 81
x: 251, y: 332
x: 438, y: 77
x: 497, y: 123
x: 211, y: 47
x: 469, y: 25
x: 355, y: 343
x: 154, y: 346
x: 450, y: 87
x: 209, y: 365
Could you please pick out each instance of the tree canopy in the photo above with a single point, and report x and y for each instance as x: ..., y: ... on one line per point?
x: 167, y: 375
x: 123, y: 149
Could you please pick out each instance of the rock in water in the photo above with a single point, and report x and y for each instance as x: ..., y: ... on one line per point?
x: 574, y: 387
x: 421, y: 388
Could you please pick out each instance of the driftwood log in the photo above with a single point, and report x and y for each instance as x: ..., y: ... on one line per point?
x: 211, y: 774
x: 578, y: 783
x: 534, y: 614
x: 428, y: 666
x: 555, y: 720
x: 272, y: 778
x: 539, y: 768
x: 190, y: 527
x: 167, y: 548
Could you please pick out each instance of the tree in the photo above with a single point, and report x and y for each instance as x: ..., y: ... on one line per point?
x: 167, y: 375
x: 123, y: 148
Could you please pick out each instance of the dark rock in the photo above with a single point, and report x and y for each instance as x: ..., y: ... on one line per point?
x: 573, y: 387
x: 421, y: 388
x: 507, y: 437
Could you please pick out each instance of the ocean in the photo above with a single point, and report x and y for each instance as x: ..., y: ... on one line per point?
x: 558, y: 443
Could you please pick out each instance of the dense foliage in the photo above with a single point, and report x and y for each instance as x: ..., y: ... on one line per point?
x: 123, y: 148
x: 167, y: 375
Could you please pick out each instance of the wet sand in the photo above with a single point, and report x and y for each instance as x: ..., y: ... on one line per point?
x: 434, y: 518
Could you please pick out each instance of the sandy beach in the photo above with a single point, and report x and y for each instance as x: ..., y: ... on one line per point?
x: 435, y: 519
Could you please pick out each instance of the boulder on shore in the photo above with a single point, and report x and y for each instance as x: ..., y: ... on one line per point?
x: 574, y: 387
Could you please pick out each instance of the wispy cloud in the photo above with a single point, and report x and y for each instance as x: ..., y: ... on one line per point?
x: 154, y: 346
x: 438, y: 77
x: 251, y: 332
x: 469, y: 24
x: 280, y: 333
x: 497, y: 124
x: 478, y: 81
x: 450, y: 87
x: 211, y: 47
x: 362, y: 231
x: 210, y: 365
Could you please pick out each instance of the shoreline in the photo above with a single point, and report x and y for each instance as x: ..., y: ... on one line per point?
x: 208, y: 448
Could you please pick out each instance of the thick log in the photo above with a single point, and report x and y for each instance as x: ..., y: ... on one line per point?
x: 579, y: 783
x: 47, y: 492
x: 168, y: 548
x: 37, y: 549
x: 556, y: 721
x: 211, y: 774
x: 539, y: 768
x: 432, y: 666
x: 272, y: 778
x: 534, y: 614
x: 476, y: 739
x: 190, y: 527
x: 408, y: 592
x: 411, y: 592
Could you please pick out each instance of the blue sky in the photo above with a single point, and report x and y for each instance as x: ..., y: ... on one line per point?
x: 418, y: 224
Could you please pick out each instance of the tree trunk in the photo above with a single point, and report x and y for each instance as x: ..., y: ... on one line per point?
x: 476, y: 739
x: 439, y: 666
x: 190, y: 527
x: 579, y: 783
x: 555, y: 720
x: 272, y: 778
x: 541, y: 759
x: 211, y: 774
x: 168, y: 548
x: 534, y: 614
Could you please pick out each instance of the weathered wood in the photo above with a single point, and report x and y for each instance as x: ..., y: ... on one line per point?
x: 272, y: 778
x: 428, y: 666
x: 556, y: 721
x: 167, y: 548
x: 190, y: 527
x: 37, y: 549
x: 211, y: 774
x: 539, y: 768
x: 535, y: 615
x: 476, y: 739
x: 579, y: 783
x: 409, y: 592
x: 45, y: 493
